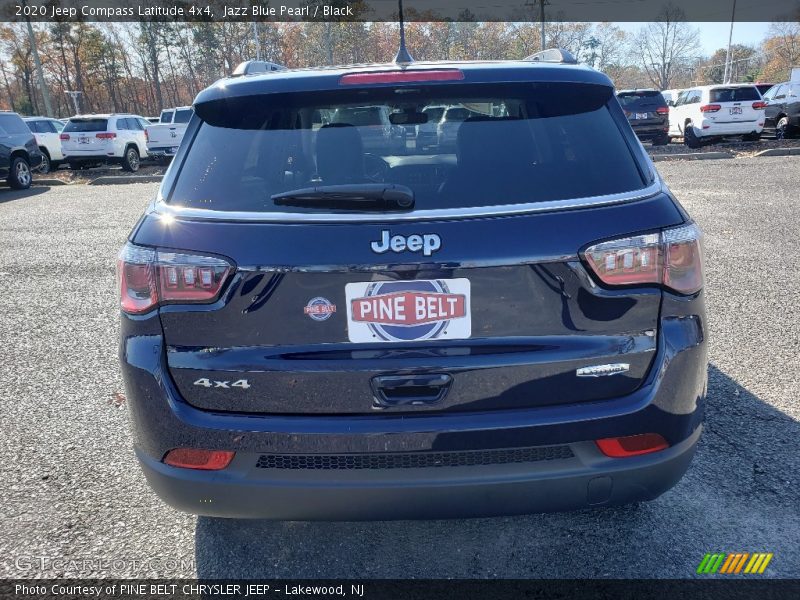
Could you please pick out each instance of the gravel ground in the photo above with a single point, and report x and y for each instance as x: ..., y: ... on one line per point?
x: 733, y: 145
x: 72, y: 489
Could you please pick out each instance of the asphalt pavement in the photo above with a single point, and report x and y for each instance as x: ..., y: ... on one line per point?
x: 75, y: 503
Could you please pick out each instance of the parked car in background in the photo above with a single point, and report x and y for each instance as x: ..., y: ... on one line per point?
x: 782, y: 114
x: 427, y: 133
x: 164, y: 138
x: 670, y: 96
x: 648, y: 114
x: 763, y: 88
x: 19, y: 152
x: 91, y: 140
x: 46, y: 131
x: 153, y: 119
x: 447, y: 129
x: 377, y: 132
x: 717, y: 111
x: 513, y: 328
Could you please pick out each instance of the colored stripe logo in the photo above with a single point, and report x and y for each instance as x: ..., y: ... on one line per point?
x: 734, y: 563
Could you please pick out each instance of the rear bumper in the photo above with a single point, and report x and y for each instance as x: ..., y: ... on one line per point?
x: 710, y: 128
x: 586, y: 480
x: 162, y: 151
x: 670, y: 402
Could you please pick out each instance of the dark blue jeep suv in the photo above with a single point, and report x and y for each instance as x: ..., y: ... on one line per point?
x: 513, y: 323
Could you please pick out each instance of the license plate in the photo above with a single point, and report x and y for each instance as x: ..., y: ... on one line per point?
x: 736, y: 110
x: 406, y: 311
x: 639, y: 116
x: 83, y: 140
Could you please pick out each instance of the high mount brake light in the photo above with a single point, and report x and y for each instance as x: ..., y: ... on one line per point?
x: 149, y: 277
x: 401, y: 76
x: 710, y: 108
x: 672, y: 258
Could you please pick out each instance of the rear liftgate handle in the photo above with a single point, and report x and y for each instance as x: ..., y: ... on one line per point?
x: 401, y: 390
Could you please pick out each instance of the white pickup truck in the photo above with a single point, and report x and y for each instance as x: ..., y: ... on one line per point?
x: 164, y: 138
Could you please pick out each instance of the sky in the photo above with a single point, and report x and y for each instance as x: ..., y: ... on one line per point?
x: 715, y: 35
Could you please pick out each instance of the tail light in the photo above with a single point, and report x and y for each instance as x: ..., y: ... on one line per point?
x: 672, y: 258
x: 149, y: 277
x: 632, y: 445
x: 663, y: 110
x: 64, y: 137
x: 759, y: 105
x: 710, y: 108
x: 204, y: 460
x: 107, y: 135
x: 146, y: 136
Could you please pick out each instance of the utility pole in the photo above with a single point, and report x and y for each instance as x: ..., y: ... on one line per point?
x: 541, y: 20
x: 255, y: 37
x: 74, y: 95
x: 45, y: 94
x: 728, y: 69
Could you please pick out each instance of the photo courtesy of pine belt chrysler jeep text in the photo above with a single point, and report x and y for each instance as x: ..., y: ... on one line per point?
x: 322, y: 322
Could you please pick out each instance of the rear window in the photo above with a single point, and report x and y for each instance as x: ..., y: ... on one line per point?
x: 734, y: 94
x: 183, y: 116
x: 630, y: 100
x: 520, y: 143
x: 80, y: 125
x: 166, y: 116
x: 13, y: 124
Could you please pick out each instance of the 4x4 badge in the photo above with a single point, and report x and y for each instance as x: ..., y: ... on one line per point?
x: 427, y: 243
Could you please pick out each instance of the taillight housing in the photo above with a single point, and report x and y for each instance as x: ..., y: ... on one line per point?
x: 663, y: 110
x: 710, y: 108
x: 149, y: 277
x: 759, y: 105
x: 146, y: 136
x: 106, y: 135
x: 672, y: 258
x: 64, y: 137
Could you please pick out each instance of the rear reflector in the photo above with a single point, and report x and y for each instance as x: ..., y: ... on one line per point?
x: 672, y: 258
x: 401, y: 77
x: 632, y: 445
x: 710, y: 108
x: 149, y: 277
x: 204, y: 460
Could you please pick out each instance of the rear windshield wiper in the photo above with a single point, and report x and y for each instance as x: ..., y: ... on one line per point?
x: 357, y: 196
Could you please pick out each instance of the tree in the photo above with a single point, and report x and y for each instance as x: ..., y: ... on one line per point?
x: 667, y: 46
x: 781, y: 49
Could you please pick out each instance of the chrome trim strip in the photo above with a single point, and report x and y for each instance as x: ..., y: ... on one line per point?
x: 179, y: 212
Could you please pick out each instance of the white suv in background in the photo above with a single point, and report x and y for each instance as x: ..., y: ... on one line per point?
x: 712, y: 111
x: 90, y: 140
x: 46, y: 132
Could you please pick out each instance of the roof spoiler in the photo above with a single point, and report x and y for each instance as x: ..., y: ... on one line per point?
x: 255, y: 67
x: 553, y: 55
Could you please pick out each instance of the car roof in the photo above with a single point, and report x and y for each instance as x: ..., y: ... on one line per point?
x: 722, y: 85
x: 328, y: 78
x: 102, y: 116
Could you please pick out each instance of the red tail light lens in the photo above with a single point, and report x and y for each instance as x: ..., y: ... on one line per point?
x: 401, y: 77
x: 64, y: 137
x: 106, y: 135
x: 663, y: 110
x: 632, y: 445
x: 149, y: 277
x: 760, y: 105
x: 710, y: 108
x: 672, y: 258
x: 146, y: 136
x: 204, y: 460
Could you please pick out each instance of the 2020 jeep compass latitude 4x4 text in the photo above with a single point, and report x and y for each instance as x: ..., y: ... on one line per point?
x: 314, y: 330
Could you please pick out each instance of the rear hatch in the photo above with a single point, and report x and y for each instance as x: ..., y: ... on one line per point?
x: 733, y: 104
x: 340, y: 303
x: 85, y: 134
x: 644, y: 108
